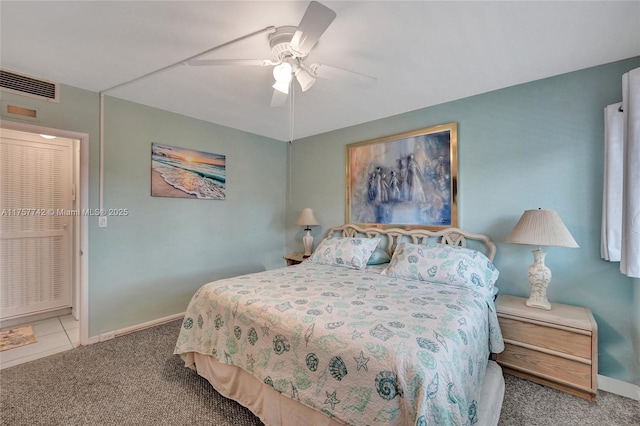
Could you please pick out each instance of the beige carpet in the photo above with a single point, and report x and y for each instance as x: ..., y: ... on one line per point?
x: 136, y: 380
x: 16, y: 337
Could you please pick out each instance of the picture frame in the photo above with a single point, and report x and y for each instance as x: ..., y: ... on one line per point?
x: 178, y: 172
x: 407, y: 180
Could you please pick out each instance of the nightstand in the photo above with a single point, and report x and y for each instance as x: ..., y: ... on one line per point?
x: 556, y: 348
x: 294, y: 258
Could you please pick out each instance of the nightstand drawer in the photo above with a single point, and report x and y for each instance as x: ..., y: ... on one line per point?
x: 546, y: 365
x: 555, y: 339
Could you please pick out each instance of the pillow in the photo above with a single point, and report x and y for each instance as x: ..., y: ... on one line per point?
x: 444, y: 264
x: 348, y: 252
x: 378, y: 257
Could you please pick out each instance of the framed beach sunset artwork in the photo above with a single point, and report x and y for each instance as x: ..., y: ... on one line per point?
x: 407, y: 180
x: 187, y: 173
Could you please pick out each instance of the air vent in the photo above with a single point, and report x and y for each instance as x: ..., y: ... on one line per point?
x: 28, y: 86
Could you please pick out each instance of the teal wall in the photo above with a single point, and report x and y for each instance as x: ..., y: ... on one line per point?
x: 533, y: 145
x: 148, y: 264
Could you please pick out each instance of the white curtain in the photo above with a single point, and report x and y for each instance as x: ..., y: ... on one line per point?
x: 630, y: 248
x: 612, y: 195
x: 621, y: 201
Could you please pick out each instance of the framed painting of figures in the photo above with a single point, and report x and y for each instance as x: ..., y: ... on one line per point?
x: 406, y: 180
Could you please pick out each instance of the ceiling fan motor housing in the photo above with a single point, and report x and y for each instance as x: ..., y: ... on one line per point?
x: 279, y: 42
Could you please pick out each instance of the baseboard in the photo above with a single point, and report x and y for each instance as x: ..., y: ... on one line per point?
x: 139, y: 327
x: 619, y: 387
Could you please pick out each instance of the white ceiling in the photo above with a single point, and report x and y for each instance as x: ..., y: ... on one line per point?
x: 422, y: 53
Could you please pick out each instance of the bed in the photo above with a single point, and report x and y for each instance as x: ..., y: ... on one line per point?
x: 378, y: 326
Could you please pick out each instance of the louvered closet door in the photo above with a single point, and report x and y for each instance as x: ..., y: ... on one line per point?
x: 35, y: 235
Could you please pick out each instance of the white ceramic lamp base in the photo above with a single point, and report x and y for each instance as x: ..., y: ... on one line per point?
x: 307, y: 241
x: 539, y: 279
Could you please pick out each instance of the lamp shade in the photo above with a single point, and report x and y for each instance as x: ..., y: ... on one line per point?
x: 307, y: 218
x: 541, y: 228
x: 304, y: 79
x: 282, y: 72
x: 282, y: 75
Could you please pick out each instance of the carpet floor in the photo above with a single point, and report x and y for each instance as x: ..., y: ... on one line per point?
x: 136, y: 380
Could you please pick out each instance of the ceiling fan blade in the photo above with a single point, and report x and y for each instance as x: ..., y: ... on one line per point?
x: 278, y: 98
x: 334, y: 73
x: 215, y: 62
x: 314, y: 23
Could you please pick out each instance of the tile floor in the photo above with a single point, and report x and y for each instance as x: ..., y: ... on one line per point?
x: 53, y: 335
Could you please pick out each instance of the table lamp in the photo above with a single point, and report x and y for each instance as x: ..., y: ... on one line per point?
x: 307, y: 219
x: 540, y: 228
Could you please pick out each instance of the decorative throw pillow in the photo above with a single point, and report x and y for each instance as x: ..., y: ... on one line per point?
x: 379, y: 257
x: 444, y: 264
x: 348, y: 252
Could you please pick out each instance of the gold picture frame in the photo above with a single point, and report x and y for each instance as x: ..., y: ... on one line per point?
x: 407, y: 180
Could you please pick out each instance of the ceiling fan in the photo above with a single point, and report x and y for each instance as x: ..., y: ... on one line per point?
x: 290, y: 46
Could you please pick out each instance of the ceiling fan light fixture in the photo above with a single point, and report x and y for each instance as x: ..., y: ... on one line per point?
x: 281, y: 86
x: 282, y: 74
x: 304, y: 79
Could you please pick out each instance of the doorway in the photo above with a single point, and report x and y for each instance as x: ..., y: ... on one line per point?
x: 43, y: 232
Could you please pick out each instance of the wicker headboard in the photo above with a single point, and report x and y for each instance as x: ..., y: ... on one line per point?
x: 392, y: 236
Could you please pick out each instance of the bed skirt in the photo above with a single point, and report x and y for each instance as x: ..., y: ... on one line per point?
x: 273, y: 408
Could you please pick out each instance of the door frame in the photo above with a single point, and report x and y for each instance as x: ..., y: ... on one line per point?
x: 81, y: 226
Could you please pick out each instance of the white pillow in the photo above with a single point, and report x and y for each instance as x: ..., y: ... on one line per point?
x: 348, y: 252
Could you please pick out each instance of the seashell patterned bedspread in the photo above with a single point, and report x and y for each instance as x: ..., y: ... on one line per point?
x: 355, y: 345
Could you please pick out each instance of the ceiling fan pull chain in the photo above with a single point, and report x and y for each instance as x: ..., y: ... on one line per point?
x: 290, y: 146
x: 292, y: 90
